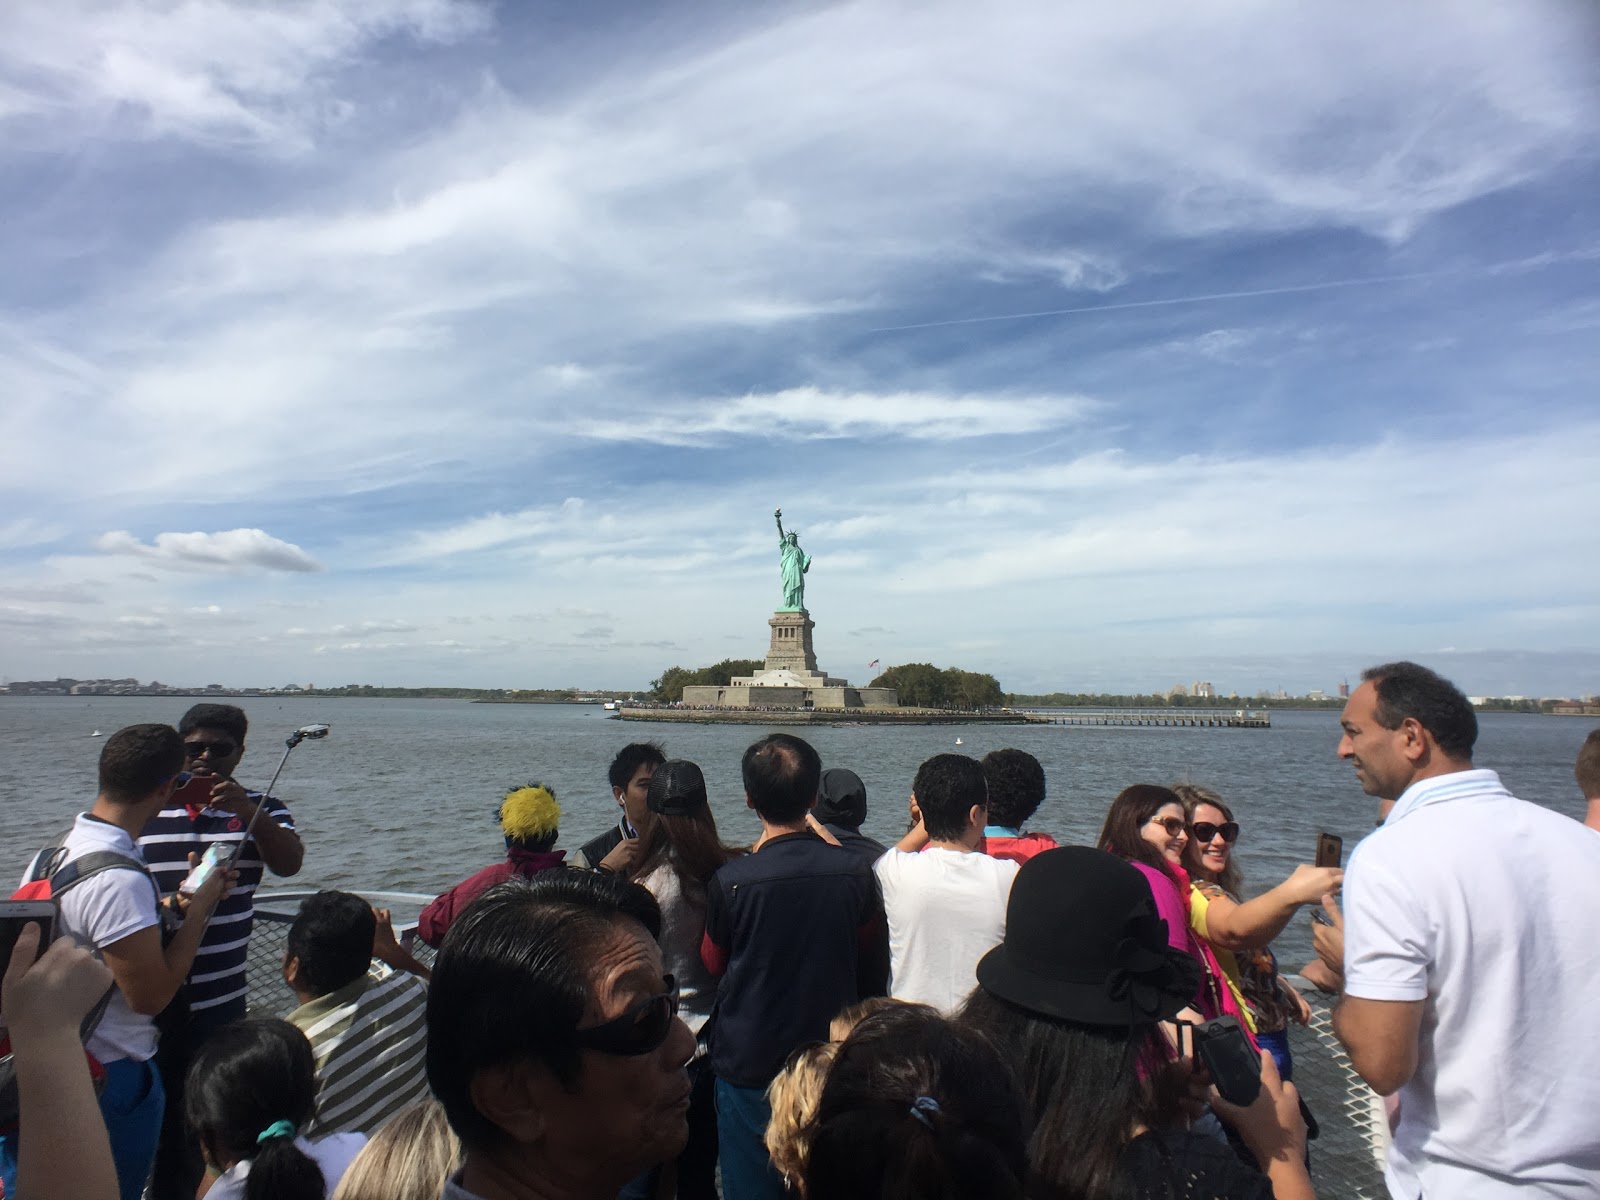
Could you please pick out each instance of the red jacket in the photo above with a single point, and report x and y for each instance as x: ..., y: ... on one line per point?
x: 441, y: 913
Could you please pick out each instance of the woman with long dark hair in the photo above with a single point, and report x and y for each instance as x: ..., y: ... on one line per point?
x: 1074, y: 998
x: 681, y: 852
x: 1147, y: 827
x: 251, y: 1089
x: 1240, y: 932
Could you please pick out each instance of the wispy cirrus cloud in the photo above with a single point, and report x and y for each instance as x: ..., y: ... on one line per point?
x: 210, y: 71
x: 812, y: 413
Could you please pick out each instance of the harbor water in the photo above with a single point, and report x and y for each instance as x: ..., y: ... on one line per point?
x: 402, y: 795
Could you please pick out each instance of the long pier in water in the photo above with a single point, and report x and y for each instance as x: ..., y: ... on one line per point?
x: 1209, y: 718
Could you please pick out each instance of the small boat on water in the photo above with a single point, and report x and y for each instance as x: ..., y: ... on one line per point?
x: 612, y: 705
x: 96, y: 733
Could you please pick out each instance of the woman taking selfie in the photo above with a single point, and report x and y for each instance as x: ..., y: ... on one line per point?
x: 1239, y: 932
x: 1147, y: 828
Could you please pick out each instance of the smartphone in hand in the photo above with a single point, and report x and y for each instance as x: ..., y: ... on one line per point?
x: 15, y: 915
x: 217, y: 856
x: 1330, y: 850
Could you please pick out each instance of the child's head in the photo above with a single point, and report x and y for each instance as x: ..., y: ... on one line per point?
x: 251, y: 1090
x: 793, y: 1097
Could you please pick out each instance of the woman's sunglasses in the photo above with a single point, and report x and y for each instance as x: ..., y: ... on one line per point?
x: 1173, y: 825
x: 1205, y: 832
x: 639, y: 1030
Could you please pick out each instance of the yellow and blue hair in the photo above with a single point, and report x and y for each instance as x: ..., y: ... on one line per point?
x: 530, y: 815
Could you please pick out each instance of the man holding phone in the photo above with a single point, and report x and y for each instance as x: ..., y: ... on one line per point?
x: 214, y: 809
x: 116, y: 913
x: 617, y: 849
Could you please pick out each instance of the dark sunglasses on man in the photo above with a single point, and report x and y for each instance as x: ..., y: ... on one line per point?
x: 1205, y: 832
x: 217, y: 749
x: 638, y: 1031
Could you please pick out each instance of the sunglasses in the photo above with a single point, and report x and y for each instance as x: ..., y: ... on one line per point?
x: 639, y: 1030
x: 214, y: 749
x: 1205, y: 832
x: 1173, y: 825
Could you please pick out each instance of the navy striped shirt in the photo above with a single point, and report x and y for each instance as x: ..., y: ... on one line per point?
x: 218, y: 974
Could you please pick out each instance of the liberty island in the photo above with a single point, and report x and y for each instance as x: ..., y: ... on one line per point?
x: 790, y: 678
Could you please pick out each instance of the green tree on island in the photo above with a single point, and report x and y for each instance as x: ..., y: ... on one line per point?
x: 923, y: 685
x: 668, y: 689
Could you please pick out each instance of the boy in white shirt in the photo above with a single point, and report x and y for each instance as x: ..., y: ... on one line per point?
x: 946, y: 906
x: 116, y: 913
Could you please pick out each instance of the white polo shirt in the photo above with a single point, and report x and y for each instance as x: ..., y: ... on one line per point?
x: 101, y: 911
x: 1486, y: 907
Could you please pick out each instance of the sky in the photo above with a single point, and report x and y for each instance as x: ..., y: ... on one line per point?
x: 1100, y: 347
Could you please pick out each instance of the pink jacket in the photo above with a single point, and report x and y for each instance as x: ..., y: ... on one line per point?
x: 1215, y: 997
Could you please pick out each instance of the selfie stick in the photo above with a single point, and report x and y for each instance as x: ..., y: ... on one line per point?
x: 294, y: 739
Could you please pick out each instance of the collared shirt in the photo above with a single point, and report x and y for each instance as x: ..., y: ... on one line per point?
x: 370, y: 1039
x: 218, y: 975
x: 1483, y: 907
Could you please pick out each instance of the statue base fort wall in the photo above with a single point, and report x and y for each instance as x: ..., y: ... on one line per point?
x: 790, y: 677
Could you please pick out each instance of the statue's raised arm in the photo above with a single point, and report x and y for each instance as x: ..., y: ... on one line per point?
x: 777, y: 515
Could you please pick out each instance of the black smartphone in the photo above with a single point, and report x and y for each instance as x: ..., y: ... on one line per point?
x: 1330, y: 850
x: 1235, y: 1068
x: 15, y: 915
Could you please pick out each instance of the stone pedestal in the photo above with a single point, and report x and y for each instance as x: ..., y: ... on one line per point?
x: 790, y: 648
x: 790, y: 677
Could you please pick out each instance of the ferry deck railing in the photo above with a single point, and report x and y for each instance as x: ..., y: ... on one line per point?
x: 1346, y: 1160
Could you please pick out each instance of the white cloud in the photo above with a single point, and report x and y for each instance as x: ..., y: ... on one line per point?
x: 230, y: 549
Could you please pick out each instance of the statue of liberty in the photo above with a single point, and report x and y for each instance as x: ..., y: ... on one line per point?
x: 794, y: 565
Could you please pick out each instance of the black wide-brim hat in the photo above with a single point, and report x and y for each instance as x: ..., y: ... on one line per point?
x: 677, y: 789
x: 1083, y: 943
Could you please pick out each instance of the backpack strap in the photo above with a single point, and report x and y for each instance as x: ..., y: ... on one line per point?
x: 48, y: 861
x: 94, y: 863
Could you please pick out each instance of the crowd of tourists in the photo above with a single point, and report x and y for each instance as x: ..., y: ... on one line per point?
x: 973, y: 1012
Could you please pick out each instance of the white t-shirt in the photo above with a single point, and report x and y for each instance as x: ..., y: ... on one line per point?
x: 333, y: 1154
x: 946, y: 910
x: 100, y: 911
x: 1484, y: 906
